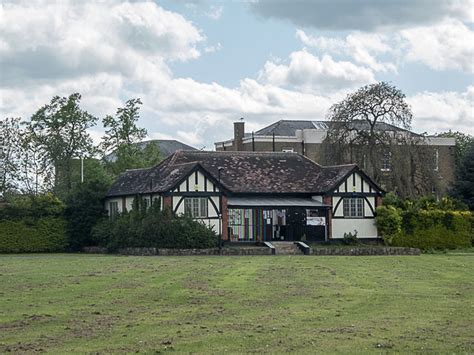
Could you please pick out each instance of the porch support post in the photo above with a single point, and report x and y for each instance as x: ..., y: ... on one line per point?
x: 225, y: 218
x: 328, y: 201
x: 167, y: 202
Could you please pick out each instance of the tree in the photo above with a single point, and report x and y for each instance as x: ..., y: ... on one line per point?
x: 60, y: 130
x: 84, y: 208
x: 123, y: 136
x: 371, y: 127
x: 122, y: 130
x: 10, y: 141
x: 463, y: 187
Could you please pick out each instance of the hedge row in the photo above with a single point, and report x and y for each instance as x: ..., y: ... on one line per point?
x: 425, y: 229
x: 34, y: 235
x: 153, y: 229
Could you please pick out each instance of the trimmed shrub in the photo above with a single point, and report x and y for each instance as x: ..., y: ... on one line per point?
x: 45, y: 234
x: 153, y: 229
x: 389, y: 222
x: 425, y: 228
x: 434, y: 237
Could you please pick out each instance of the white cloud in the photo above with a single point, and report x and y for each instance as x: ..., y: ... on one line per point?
x: 446, y: 46
x: 313, y: 74
x: 44, y: 41
x: 363, y: 48
x: 215, y: 12
x: 110, y: 52
x: 441, y: 111
x: 213, y: 48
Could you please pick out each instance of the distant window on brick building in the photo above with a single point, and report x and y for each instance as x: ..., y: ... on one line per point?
x: 436, y: 160
x: 386, y: 161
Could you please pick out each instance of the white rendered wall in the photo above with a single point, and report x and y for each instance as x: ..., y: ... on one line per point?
x: 365, y: 227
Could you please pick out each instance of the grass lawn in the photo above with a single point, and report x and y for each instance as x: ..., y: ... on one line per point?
x: 88, y: 303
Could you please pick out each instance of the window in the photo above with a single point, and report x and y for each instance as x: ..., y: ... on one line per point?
x: 146, y: 203
x: 386, y: 161
x: 113, y: 209
x: 196, y: 207
x: 353, y: 207
x: 436, y: 160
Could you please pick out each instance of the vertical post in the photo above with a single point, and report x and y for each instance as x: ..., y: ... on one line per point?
x: 219, y: 169
x: 253, y: 142
x: 273, y: 141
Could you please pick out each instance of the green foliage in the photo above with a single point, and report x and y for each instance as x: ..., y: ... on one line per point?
x: 32, y: 224
x: 433, y: 237
x: 427, y: 228
x: 389, y: 222
x: 46, y: 234
x: 84, y: 208
x: 350, y: 238
x: 152, y: 228
x: 392, y: 199
x: 122, y: 138
x: 133, y: 157
x: 31, y: 206
x: 60, y: 130
x: 122, y: 130
x: 463, y: 187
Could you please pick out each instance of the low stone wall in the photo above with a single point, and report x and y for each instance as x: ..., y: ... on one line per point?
x: 365, y: 251
x: 183, y: 252
x: 258, y: 251
x: 94, y: 250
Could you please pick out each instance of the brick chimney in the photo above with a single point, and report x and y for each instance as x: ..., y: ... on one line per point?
x: 239, y: 132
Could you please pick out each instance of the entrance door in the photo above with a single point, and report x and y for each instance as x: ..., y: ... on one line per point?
x: 296, y: 223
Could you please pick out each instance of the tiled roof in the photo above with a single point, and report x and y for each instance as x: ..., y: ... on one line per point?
x: 242, y: 172
x: 289, y: 127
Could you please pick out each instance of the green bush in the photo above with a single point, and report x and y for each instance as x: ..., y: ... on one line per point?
x: 425, y: 228
x: 389, y: 222
x: 84, y: 207
x: 30, y: 235
x: 434, y: 237
x: 351, y: 238
x: 35, y: 206
x: 152, y: 228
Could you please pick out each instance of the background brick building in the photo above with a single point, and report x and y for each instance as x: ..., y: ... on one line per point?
x: 306, y: 137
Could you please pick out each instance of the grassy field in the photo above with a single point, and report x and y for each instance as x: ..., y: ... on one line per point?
x: 84, y: 303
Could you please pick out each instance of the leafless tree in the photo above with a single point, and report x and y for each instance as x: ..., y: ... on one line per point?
x: 371, y: 127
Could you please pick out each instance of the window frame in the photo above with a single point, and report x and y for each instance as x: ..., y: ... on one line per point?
x: 113, y: 211
x: 196, y: 207
x: 353, y: 207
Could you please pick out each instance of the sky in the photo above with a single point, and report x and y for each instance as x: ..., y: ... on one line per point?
x: 199, y: 66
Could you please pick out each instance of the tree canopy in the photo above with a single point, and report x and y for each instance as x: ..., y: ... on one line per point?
x: 370, y: 127
x: 60, y: 129
x: 122, y: 138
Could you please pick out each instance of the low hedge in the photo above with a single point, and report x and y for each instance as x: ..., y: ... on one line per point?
x: 425, y: 229
x: 33, y: 235
x: 435, y: 237
x: 153, y: 229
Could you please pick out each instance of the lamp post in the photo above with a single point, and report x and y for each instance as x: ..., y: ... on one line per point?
x: 219, y: 169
